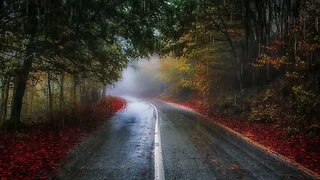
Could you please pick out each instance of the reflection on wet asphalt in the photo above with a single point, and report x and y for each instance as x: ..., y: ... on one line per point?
x: 192, y: 148
x: 196, y: 148
x: 121, y: 150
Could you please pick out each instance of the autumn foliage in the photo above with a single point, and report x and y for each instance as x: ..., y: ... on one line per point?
x: 37, y: 153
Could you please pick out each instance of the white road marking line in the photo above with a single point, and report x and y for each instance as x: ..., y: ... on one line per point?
x: 158, y: 161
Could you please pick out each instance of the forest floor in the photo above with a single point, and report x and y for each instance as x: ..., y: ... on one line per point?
x: 297, y: 147
x: 38, y: 152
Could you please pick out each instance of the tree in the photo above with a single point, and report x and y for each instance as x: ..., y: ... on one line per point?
x: 250, y: 48
x: 88, y: 39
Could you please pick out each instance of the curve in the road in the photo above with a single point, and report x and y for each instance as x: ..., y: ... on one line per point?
x: 130, y: 146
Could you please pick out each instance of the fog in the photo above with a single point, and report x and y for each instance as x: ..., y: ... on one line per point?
x: 139, y: 79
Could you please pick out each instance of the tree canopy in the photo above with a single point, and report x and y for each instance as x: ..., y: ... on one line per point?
x: 86, y: 39
x: 244, y: 51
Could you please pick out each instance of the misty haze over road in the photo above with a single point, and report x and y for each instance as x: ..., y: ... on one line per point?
x: 140, y: 79
x: 192, y: 147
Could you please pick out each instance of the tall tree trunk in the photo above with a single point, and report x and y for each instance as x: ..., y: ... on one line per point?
x: 2, y: 96
x: 31, y: 100
x: 20, y: 88
x: 5, y: 96
x: 104, y: 92
x: 61, y: 101
x: 5, y: 101
x: 61, y: 98
x: 50, y: 98
x: 75, y: 84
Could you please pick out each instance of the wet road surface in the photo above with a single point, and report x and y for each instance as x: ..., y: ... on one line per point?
x: 162, y: 141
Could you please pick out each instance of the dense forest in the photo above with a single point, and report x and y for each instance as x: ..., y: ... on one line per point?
x: 259, y: 58
x: 255, y: 63
x: 56, y: 53
x: 254, y: 58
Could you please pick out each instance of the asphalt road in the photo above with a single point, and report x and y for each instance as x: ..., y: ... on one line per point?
x: 158, y: 140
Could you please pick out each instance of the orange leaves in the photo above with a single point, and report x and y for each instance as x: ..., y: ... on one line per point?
x: 306, y: 47
x: 271, y: 48
x: 275, y: 46
x: 236, y: 30
x: 276, y: 61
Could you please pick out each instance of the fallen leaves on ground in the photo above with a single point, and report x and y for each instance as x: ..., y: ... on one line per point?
x: 300, y: 148
x: 37, y: 153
